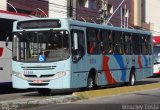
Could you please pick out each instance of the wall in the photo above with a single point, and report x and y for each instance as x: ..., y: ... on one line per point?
x: 152, y: 15
x: 91, y: 14
x: 85, y: 13
x: 116, y: 19
x: 61, y: 9
x: 3, y: 4
x: 137, y: 13
x: 58, y: 8
x: 28, y: 6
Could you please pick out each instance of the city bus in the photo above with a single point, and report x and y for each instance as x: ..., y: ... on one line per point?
x: 156, y: 55
x: 6, y: 22
x: 55, y: 54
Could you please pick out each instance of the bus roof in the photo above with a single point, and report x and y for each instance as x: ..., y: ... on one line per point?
x: 100, y: 26
x: 93, y: 25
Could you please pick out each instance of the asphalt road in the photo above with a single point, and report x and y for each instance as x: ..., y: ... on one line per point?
x: 145, y: 100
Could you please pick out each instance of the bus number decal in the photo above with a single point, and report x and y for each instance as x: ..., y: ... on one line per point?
x: 28, y: 72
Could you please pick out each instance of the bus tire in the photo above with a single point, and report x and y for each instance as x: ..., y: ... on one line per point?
x: 44, y: 92
x: 132, y: 78
x: 91, y: 82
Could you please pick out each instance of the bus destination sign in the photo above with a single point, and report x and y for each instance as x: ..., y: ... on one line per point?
x: 35, y: 24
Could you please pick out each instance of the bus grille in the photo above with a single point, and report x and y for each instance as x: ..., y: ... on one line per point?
x: 37, y: 84
x: 38, y: 67
x: 42, y: 76
x: 30, y: 76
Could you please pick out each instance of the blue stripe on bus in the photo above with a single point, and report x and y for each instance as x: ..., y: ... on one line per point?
x: 146, y: 61
x: 119, y: 60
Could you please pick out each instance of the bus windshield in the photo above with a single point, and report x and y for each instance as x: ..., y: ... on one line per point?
x: 49, y: 45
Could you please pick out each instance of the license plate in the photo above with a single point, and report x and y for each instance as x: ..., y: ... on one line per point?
x: 38, y: 81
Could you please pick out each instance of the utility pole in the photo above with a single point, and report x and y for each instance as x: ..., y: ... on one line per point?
x: 70, y: 8
x: 103, y: 10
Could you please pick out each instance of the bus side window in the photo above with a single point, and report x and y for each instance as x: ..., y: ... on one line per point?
x: 118, y: 42
x: 106, y: 40
x: 145, y: 44
x: 93, y: 41
x: 110, y: 43
x: 149, y: 43
x: 103, y: 41
x: 127, y: 43
x: 137, y: 44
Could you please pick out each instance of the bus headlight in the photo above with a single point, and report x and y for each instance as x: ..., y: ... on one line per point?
x: 17, y: 74
x: 60, y: 74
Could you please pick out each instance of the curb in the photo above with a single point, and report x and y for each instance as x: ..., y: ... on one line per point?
x: 25, y: 103
x: 41, y: 100
x: 115, y: 91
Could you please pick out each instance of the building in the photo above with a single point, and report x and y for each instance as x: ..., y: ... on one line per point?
x: 151, y: 15
x: 3, y: 4
x: 58, y: 8
x: 117, y: 12
x: 145, y: 15
x: 125, y: 13
x: 31, y: 7
x: 136, y: 13
x: 40, y: 8
x: 84, y: 10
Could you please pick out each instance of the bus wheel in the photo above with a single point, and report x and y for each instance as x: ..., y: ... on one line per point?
x: 132, y: 79
x: 91, y: 82
x: 44, y: 92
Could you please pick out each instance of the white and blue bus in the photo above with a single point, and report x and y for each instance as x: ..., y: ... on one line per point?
x: 50, y: 54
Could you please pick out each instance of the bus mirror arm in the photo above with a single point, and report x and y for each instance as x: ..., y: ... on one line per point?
x: 7, y: 41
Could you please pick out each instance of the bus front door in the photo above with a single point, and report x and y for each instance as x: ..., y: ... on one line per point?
x: 78, y: 58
